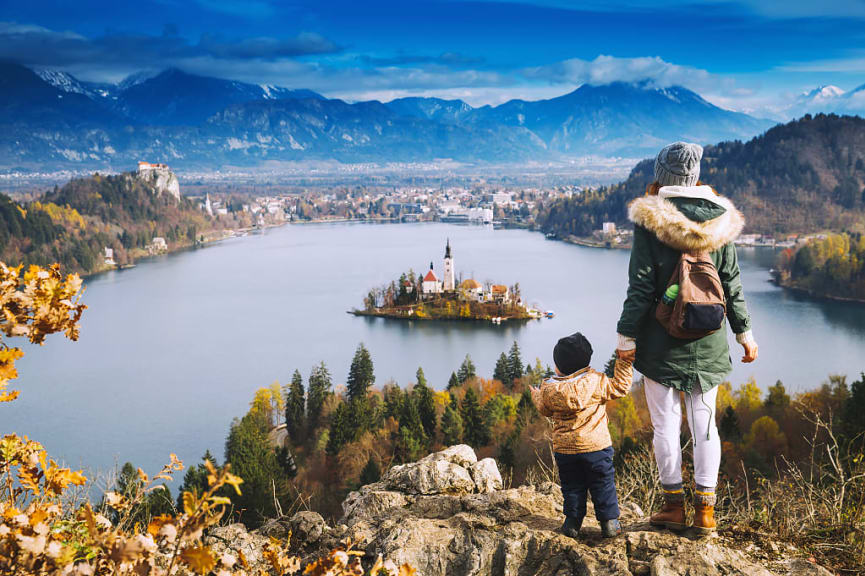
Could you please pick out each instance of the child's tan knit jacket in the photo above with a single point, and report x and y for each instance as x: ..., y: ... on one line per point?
x: 577, y: 406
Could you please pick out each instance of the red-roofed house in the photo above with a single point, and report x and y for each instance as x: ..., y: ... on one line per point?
x: 431, y: 284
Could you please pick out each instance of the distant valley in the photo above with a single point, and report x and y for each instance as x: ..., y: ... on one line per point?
x: 51, y: 120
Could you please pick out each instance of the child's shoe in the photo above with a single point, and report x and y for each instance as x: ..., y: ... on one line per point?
x: 671, y: 516
x: 611, y: 528
x: 571, y: 527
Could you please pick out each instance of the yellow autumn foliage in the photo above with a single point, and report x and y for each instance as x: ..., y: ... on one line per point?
x: 40, y: 534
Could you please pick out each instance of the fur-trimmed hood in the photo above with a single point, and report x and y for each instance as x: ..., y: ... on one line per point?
x: 661, y: 216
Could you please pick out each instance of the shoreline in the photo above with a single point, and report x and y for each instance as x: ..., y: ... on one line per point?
x: 392, y: 316
x: 817, y: 295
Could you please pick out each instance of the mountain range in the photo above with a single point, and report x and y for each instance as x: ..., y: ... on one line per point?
x: 52, y: 120
x: 804, y: 176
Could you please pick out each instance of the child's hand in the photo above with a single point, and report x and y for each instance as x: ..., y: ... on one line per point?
x: 536, y: 395
x: 627, y: 355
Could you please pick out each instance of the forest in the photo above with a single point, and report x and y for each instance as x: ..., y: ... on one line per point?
x: 806, y: 446
x: 801, y: 177
x: 73, y: 224
x: 830, y: 265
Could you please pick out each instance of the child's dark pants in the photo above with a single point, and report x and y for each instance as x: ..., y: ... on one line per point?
x: 592, y: 472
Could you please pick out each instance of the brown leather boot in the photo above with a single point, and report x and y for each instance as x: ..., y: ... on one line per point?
x: 704, y: 518
x: 671, y: 516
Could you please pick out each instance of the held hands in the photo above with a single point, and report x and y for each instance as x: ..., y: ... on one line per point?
x: 750, y: 352
x: 626, y: 355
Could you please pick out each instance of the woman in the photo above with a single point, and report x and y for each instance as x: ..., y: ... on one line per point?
x: 678, y: 215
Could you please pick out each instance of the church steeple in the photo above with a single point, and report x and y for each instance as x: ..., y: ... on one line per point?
x: 449, y: 275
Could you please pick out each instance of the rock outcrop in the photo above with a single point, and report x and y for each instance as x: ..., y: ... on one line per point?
x: 448, y: 514
x: 161, y: 178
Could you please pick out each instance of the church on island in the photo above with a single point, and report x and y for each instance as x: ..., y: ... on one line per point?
x: 432, y: 286
x: 446, y: 297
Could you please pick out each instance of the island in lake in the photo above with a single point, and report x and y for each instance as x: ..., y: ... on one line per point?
x: 429, y: 297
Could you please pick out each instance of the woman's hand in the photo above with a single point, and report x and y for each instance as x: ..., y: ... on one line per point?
x: 626, y: 355
x: 750, y: 352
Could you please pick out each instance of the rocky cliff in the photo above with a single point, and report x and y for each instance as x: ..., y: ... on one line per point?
x: 448, y: 514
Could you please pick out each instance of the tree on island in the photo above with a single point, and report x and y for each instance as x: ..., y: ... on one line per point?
x: 294, y: 408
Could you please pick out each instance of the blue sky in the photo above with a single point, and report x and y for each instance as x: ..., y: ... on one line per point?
x: 750, y: 55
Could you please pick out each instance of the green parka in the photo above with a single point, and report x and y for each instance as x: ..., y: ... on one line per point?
x: 681, y: 219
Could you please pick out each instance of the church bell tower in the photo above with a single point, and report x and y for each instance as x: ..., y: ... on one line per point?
x: 449, y: 280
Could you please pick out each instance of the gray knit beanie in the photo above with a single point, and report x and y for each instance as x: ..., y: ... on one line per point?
x: 678, y: 164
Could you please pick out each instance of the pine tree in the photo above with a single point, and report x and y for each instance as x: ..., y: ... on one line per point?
x: 412, y: 437
x: 728, y: 427
x: 393, y: 398
x: 425, y: 405
x: 248, y: 451
x: 501, y: 372
x: 515, y: 363
x: 340, y: 429
x: 421, y: 377
x: 195, y: 479
x: 361, y: 375
x: 476, y: 430
x: 452, y: 426
x: 453, y: 382
x: 526, y: 411
x: 319, y: 389
x: 467, y: 370
x: 371, y: 472
x: 294, y: 408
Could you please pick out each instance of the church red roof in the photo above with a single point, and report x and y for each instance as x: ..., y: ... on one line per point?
x: 430, y: 277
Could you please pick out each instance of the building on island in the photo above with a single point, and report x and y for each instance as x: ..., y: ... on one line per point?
x: 109, y: 257
x: 500, y: 293
x: 431, y: 285
x: 609, y: 228
x: 449, y: 283
x: 472, y: 289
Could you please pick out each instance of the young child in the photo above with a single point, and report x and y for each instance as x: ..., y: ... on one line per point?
x: 575, y: 399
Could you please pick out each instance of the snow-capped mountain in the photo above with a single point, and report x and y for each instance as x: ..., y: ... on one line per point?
x: 52, y: 119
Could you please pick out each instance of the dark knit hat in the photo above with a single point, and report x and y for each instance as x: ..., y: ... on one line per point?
x: 678, y: 164
x: 572, y: 353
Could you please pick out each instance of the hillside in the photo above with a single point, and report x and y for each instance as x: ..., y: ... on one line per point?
x: 51, y: 120
x: 73, y: 225
x: 804, y: 176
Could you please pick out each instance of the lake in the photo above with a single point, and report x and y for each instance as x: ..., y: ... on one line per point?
x: 172, y: 350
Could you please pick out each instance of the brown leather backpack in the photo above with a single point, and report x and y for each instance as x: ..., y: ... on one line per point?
x: 700, y: 306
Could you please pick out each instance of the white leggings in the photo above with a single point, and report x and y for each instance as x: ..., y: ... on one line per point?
x: 665, y: 410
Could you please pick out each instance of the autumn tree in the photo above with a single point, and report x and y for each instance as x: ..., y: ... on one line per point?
x: 294, y: 408
x: 35, y: 304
